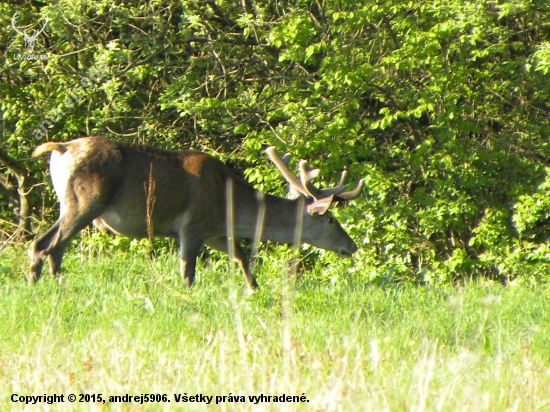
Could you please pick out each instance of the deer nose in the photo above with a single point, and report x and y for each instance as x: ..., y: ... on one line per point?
x: 348, y: 251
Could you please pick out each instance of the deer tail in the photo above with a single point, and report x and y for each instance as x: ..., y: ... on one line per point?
x: 49, y: 147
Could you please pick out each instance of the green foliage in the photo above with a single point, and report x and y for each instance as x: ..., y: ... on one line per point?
x: 442, y: 107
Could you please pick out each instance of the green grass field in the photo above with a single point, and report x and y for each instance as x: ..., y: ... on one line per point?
x: 124, y: 324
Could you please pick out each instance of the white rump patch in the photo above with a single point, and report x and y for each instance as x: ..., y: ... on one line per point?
x: 60, y: 169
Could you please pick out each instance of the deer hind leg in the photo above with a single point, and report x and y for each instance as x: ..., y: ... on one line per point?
x: 38, y: 250
x: 54, y: 242
x: 77, y: 212
x: 46, y: 245
x: 220, y: 243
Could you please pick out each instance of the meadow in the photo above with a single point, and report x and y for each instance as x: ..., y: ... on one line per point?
x: 123, y: 324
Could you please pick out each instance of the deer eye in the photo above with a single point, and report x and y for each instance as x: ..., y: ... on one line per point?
x: 331, y: 220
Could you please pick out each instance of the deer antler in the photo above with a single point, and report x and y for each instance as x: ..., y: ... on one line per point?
x: 13, y: 24
x: 307, y: 175
x: 305, y: 186
x: 37, y: 33
x: 282, y: 165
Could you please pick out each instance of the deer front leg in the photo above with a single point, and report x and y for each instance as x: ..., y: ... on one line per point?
x: 189, y: 250
x: 220, y: 243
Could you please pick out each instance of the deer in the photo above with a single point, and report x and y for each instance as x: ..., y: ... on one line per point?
x: 105, y: 182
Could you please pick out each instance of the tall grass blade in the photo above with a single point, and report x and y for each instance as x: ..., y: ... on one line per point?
x: 235, y: 304
x: 258, y: 231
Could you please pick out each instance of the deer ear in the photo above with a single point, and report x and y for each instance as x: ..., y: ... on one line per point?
x: 320, y: 207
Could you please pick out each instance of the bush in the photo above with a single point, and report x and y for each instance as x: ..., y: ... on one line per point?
x: 441, y: 107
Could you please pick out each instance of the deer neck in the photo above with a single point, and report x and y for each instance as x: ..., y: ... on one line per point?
x: 279, y: 216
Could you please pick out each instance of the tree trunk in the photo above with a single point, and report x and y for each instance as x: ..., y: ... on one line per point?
x: 17, y: 193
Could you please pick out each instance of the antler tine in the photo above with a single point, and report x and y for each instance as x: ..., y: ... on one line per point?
x: 308, y: 174
x: 343, y: 177
x: 336, y: 190
x: 287, y: 157
x: 352, y: 194
x: 281, y: 164
x: 293, y: 193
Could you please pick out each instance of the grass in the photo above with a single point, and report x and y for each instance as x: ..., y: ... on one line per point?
x: 123, y: 324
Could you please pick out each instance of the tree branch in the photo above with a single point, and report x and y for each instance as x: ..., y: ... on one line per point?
x: 12, y: 164
x: 7, y: 191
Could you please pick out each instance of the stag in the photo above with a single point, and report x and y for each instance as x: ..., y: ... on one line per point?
x: 29, y: 40
x: 112, y: 184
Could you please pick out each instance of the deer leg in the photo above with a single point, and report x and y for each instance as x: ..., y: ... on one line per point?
x: 55, y: 258
x: 76, y: 215
x: 54, y: 242
x: 36, y: 251
x: 189, y: 250
x: 220, y: 243
x: 46, y: 245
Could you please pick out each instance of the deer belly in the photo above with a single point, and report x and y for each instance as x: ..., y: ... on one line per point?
x: 121, y: 224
